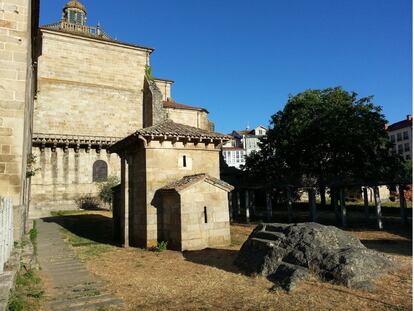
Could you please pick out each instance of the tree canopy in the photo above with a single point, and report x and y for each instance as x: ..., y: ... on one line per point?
x: 326, y: 138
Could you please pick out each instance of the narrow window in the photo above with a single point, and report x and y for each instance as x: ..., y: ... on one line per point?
x: 205, y: 214
x: 184, y: 161
x: 99, y: 171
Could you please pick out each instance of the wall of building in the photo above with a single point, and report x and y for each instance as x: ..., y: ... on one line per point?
x: 189, y: 117
x: 81, y: 77
x: 165, y: 88
x: 16, y: 89
x: 154, y: 167
x: 196, y: 234
x: 64, y: 176
x: 403, y: 140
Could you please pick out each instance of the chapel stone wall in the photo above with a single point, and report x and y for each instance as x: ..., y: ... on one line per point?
x: 88, y: 87
x: 65, y: 175
x: 190, y: 117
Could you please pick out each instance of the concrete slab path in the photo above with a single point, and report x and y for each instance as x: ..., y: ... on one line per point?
x: 69, y: 285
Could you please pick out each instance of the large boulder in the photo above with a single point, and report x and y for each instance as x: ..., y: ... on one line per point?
x: 289, y: 253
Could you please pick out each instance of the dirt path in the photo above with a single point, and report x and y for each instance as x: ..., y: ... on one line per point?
x: 69, y: 286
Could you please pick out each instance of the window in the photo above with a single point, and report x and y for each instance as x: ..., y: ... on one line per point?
x: 205, y: 214
x: 184, y: 161
x: 408, y: 157
x: 100, y: 171
x: 400, y: 149
x: 392, y: 138
x: 405, y: 134
x: 406, y: 147
x: 399, y: 137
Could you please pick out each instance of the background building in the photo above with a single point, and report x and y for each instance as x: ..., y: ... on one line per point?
x: 241, y: 145
x: 401, y: 135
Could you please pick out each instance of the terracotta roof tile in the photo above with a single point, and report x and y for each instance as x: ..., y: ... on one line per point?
x: 172, y: 129
x: 188, y: 181
x: 172, y: 104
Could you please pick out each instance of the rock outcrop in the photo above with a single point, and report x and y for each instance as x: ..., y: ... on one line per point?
x: 290, y: 253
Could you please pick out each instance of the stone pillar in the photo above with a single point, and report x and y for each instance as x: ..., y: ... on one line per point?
x: 312, y: 204
x: 343, y: 207
x: 238, y: 204
x: 289, y: 204
x: 253, y: 202
x: 124, y: 210
x: 366, y: 207
x: 403, y: 205
x: 378, y: 207
x: 269, y: 208
x: 247, y: 204
x: 230, y: 195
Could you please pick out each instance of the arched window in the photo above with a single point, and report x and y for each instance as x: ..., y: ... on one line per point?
x: 100, y: 171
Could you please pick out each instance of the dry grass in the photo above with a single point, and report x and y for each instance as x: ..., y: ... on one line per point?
x: 208, y: 280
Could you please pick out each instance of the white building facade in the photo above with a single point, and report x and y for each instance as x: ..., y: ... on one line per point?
x: 241, y: 145
x: 400, y: 134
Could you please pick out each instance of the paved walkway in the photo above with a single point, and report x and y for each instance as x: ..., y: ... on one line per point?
x: 69, y: 285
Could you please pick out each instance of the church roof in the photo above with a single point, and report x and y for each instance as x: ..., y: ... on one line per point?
x: 188, y: 181
x: 168, y: 129
x: 172, y: 104
x: 88, y: 32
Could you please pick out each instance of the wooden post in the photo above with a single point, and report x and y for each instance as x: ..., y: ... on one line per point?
x: 238, y: 204
x: 230, y: 195
x: 124, y: 210
x: 289, y: 204
x: 312, y: 204
x: 366, y: 206
x: 269, y: 206
x: 378, y: 207
x: 247, y: 205
x: 343, y: 207
x: 403, y: 205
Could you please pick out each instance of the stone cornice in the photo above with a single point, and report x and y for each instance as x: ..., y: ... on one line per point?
x: 73, y: 141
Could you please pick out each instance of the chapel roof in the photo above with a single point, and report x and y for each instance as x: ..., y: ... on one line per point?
x: 188, y: 181
x: 170, y: 103
x: 168, y: 129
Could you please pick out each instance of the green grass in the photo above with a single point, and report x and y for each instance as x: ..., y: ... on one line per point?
x: 85, y: 248
x: 66, y: 213
x: 28, y: 291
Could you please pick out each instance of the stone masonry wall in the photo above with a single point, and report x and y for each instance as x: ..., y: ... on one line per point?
x: 164, y: 165
x: 88, y: 87
x: 65, y: 176
x: 189, y: 117
x: 196, y: 234
x: 15, y: 102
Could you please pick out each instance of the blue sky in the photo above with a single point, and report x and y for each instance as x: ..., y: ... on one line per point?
x: 241, y: 59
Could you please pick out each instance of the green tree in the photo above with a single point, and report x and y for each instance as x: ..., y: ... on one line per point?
x: 326, y: 138
x: 105, y: 189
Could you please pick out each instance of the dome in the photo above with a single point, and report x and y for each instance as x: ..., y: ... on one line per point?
x: 75, y: 4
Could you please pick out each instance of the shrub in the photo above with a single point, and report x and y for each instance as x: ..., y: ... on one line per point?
x: 161, y: 246
x: 105, y: 189
x: 88, y: 202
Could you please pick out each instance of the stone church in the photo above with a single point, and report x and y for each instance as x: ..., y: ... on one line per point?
x: 92, y: 92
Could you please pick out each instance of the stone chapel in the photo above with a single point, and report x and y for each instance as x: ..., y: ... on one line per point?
x: 92, y: 90
x: 98, y: 111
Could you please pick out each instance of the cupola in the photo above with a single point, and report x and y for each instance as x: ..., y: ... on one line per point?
x: 74, y: 13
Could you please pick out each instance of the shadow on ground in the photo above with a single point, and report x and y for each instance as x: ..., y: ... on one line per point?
x: 395, y: 247
x: 214, y: 257
x: 94, y: 227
